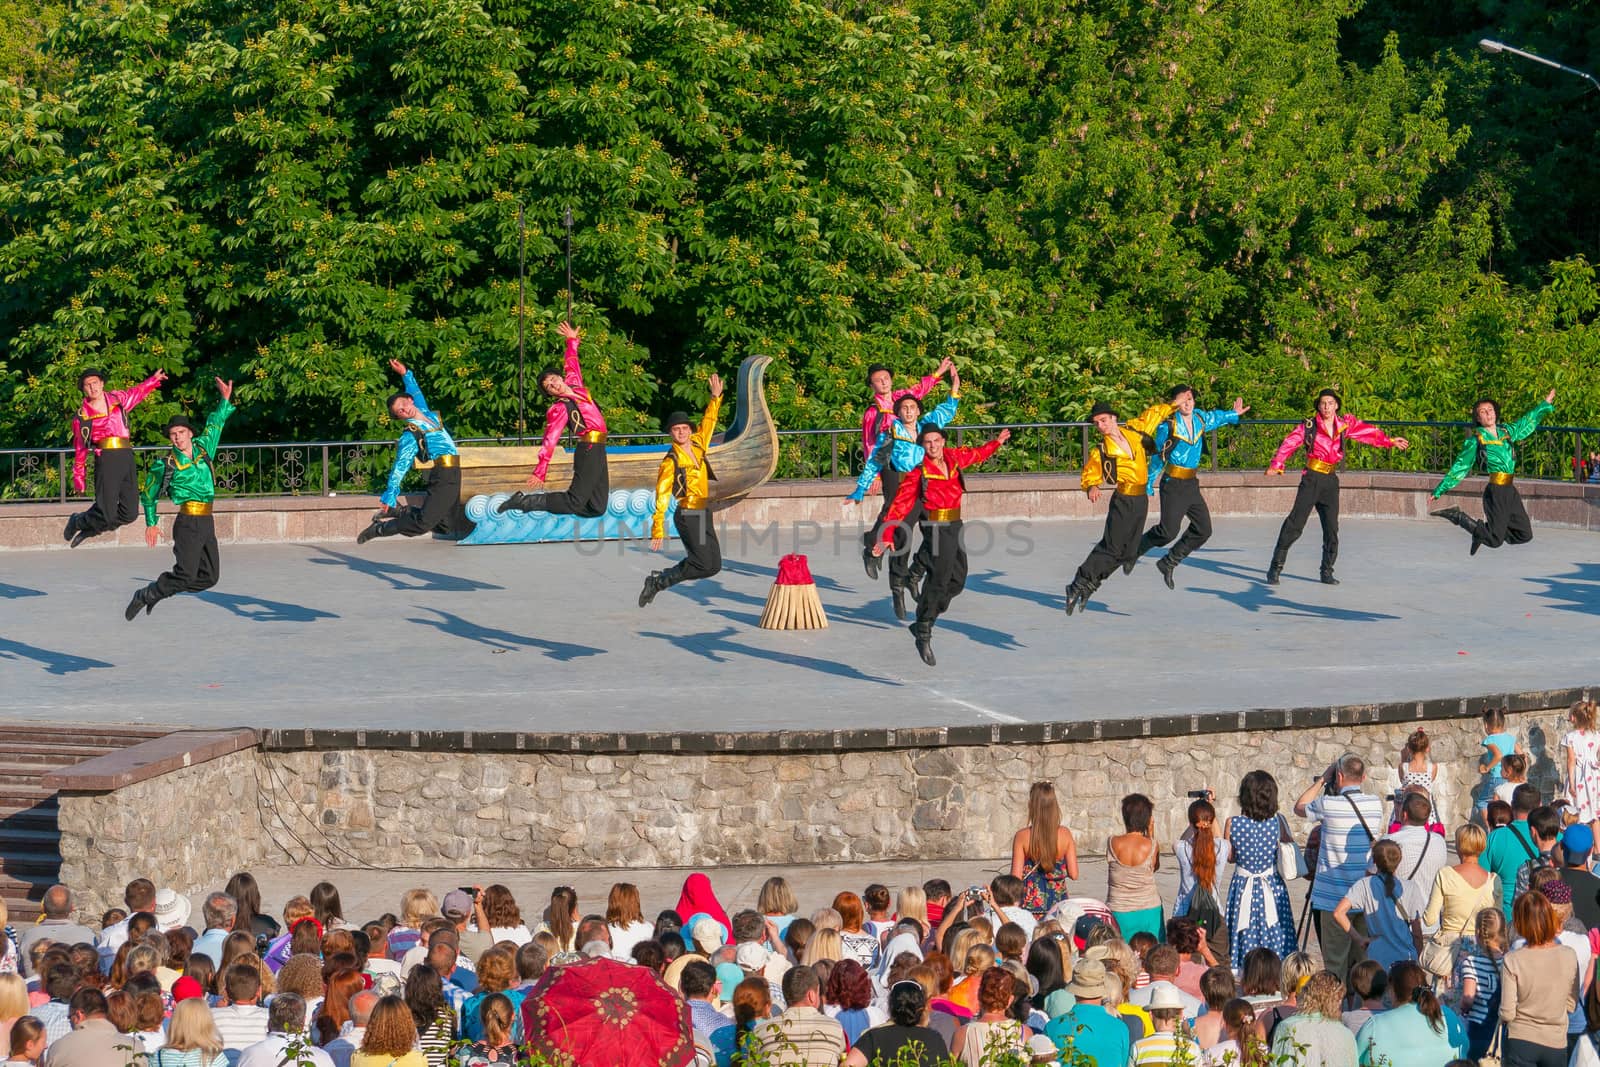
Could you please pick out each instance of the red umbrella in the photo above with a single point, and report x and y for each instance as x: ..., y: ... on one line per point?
x: 601, y: 1013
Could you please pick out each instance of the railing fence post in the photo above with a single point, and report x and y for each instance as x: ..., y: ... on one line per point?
x: 324, y: 470
x: 62, y: 457
x: 833, y: 449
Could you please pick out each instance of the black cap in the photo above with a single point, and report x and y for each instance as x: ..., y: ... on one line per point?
x: 874, y: 369
x: 1102, y: 408
x: 90, y: 372
x: 922, y: 438
x: 179, y: 420
x: 1338, y: 401
x: 679, y: 418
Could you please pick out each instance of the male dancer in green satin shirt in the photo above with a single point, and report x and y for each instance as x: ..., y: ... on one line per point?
x: 185, y: 472
x: 1505, y: 520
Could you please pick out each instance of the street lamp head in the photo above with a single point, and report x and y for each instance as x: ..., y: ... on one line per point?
x: 1494, y: 48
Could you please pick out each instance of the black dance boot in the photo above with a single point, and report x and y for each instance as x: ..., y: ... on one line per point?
x: 1166, y: 565
x: 922, y: 632
x: 515, y: 502
x: 652, y: 585
x: 899, y: 594
x: 141, y: 599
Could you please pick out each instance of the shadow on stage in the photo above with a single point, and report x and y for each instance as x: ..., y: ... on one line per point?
x: 407, y: 579
x: 259, y: 609
x: 502, y: 640
x: 715, y: 646
x: 52, y: 662
x: 1257, y: 596
x: 1578, y: 590
x: 17, y: 592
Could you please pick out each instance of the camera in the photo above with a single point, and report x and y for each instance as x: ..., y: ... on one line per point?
x: 1199, y: 794
x: 975, y: 890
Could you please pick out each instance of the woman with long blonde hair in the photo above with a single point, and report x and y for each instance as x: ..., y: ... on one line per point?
x: 192, y: 1038
x: 1043, y: 853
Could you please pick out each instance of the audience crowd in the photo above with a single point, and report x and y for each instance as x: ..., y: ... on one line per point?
x: 1405, y: 955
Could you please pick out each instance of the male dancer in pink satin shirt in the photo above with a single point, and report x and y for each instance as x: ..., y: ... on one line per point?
x: 574, y: 409
x: 1324, y: 435
x: 101, y: 423
x: 876, y: 421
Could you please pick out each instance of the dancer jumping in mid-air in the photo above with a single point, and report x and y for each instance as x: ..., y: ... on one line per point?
x: 185, y: 473
x: 1122, y: 459
x: 101, y: 423
x: 897, y: 448
x: 1323, y: 435
x: 574, y: 409
x: 1505, y: 520
x: 685, y: 473
x: 1180, y: 442
x: 934, y: 489
x: 424, y: 437
x: 877, y: 421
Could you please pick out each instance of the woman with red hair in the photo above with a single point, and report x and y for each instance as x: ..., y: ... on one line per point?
x: 859, y: 944
x: 993, y: 1033
x: 847, y: 997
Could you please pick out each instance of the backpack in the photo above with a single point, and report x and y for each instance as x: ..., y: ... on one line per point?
x: 1205, y: 911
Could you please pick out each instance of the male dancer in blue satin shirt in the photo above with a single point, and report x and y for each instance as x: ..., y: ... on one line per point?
x: 1180, y: 444
x: 424, y: 436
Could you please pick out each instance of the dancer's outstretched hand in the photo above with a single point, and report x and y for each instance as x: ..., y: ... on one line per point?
x: 1005, y: 435
x: 716, y: 384
x: 1401, y: 443
x: 161, y: 376
x: 398, y: 367
x: 1094, y: 494
x: 568, y: 331
x: 879, y: 548
x: 534, y: 482
x: 152, y: 535
x: 1550, y: 397
x: 1274, y: 470
x: 656, y: 543
x: 1239, y: 406
x: 226, y: 389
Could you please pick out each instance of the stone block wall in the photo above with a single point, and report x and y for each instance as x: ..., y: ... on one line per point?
x: 193, y: 827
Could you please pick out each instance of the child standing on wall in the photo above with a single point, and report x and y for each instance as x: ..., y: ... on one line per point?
x: 1498, y: 742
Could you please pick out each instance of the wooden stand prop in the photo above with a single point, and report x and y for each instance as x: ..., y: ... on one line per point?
x: 793, y: 603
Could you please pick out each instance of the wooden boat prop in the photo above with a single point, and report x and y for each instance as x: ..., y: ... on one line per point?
x: 743, y: 457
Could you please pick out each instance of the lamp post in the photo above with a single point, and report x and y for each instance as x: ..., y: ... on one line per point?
x: 1494, y: 48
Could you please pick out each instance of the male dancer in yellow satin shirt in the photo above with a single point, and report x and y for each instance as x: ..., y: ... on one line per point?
x: 1121, y: 459
x: 686, y: 473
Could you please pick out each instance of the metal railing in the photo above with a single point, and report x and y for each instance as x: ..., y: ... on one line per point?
x: 322, y: 468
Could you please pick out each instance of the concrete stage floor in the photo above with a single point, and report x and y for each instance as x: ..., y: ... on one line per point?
x: 428, y: 635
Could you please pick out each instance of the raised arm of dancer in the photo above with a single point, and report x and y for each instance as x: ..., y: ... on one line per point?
x: 212, y: 435
x: 1530, y: 422
x: 1368, y: 434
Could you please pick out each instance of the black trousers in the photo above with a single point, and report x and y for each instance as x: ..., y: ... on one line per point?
x: 1320, y: 491
x: 891, y: 485
x: 1505, y: 521
x: 196, y: 564
x: 116, y: 493
x: 944, y: 558
x: 586, y: 497
x: 444, y: 489
x: 1120, y: 542
x: 1180, y: 499
x: 703, y: 556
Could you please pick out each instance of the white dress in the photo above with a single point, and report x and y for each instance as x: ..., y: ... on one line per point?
x: 1585, y: 784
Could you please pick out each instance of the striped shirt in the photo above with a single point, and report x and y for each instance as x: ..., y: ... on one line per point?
x: 436, y: 1039
x: 1474, y: 964
x: 241, y: 1025
x: 1163, y: 1050
x: 1346, y: 843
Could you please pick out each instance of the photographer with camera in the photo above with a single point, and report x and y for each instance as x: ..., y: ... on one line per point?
x: 1348, y: 818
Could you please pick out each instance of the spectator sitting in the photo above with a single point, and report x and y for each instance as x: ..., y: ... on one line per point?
x: 1315, y: 1036
x: 1368, y: 984
x: 139, y: 895
x: 60, y: 982
x: 1161, y: 963
x: 192, y: 1038
x: 218, y: 911
x: 286, y: 1031
x: 1218, y: 987
x: 94, y: 1041
x: 391, y: 1037
x: 778, y: 905
x: 1414, y: 1033
x: 880, y: 920
x: 802, y: 1036
x: 57, y: 926
x: 497, y: 969
x: 241, y: 1021
x: 1088, y: 1029
x: 847, y: 999
x: 342, y: 1048
x: 751, y: 1005
x: 26, y: 1043
x: 1166, y: 1045
x: 698, y: 984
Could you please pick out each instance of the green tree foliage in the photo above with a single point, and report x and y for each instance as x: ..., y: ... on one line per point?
x: 1079, y: 200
